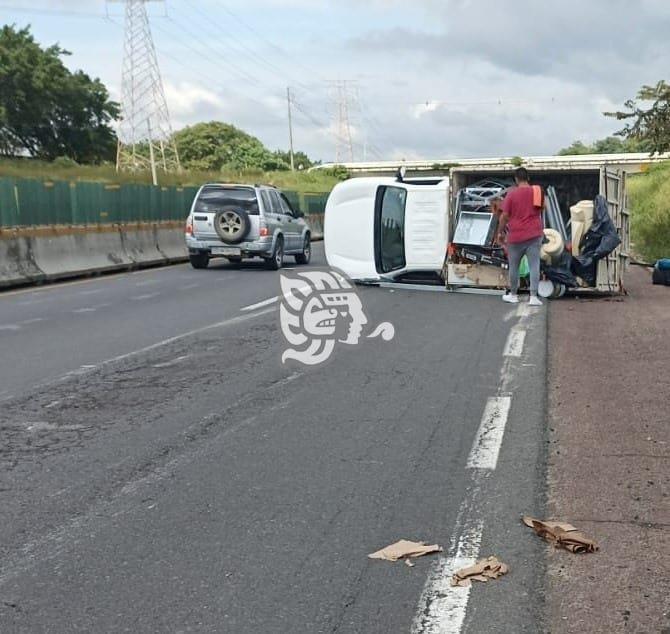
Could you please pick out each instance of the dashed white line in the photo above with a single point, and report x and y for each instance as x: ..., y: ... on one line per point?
x: 514, y: 343
x: 34, y: 320
x: 442, y: 607
x: 485, y: 449
x: 145, y: 296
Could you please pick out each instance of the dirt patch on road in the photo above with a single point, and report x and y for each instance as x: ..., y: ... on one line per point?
x: 609, y: 459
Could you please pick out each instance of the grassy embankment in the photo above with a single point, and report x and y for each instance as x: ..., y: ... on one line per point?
x: 649, y: 202
x: 304, y: 182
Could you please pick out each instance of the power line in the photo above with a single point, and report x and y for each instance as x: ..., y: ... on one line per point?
x: 254, y: 56
x: 262, y: 37
x: 43, y: 11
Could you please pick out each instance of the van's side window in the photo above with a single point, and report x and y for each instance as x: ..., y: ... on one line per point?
x: 390, y: 229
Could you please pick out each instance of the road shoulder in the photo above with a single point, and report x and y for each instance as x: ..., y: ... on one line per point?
x: 608, y: 459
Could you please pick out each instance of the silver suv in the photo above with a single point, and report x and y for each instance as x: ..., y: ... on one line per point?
x: 245, y: 221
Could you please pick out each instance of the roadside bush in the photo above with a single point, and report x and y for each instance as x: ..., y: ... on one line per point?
x: 649, y: 202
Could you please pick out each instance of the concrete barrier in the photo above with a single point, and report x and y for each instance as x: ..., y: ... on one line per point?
x: 140, y: 243
x: 315, y: 222
x: 17, y: 263
x: 36, y: 254
x: 171, y: 243
x: 70, y: 252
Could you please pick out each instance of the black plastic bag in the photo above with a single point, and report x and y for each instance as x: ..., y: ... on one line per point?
x: 598, y: 242
x: 560, y: 272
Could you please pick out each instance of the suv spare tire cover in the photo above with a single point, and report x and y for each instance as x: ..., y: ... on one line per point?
x: 232, y: 224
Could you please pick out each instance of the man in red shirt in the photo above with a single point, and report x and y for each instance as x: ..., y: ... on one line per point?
x: 523, y: 219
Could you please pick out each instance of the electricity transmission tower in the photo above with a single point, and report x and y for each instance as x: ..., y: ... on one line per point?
x: 344, y: 146
x: 145, y: 132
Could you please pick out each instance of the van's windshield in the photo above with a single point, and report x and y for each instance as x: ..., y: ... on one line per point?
x: 214, y: 198
x: 390, y: 229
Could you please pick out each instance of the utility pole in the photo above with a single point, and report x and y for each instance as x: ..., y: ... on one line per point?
x: 290, y: 127
x: 145, y: 131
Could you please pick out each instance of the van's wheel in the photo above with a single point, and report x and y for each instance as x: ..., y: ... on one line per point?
x: 199, y: 260
x: 276, y: 261
x: 306, y: 255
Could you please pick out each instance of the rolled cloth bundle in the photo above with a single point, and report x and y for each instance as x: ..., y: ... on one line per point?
x: 552, y: 246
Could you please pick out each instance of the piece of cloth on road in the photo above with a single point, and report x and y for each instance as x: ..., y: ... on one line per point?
x: 403, y: 549
x: 515, y: 251
x: 561, y: 535
x: 484, y: 570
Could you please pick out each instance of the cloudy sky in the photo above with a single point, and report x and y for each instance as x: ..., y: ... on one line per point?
x: 432, y: 79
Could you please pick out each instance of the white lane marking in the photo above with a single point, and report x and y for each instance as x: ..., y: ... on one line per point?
x: 165, y: 342
x: 442, y: 607
x: 85, y: 369
x: 92, y: 291
x: 271, y: 300
x: 10, y: 327
x: 523, y: 310
x: 90, y: 309
x: 510, y: 314
x: 514, y: 343
x: 34, y: 320
x: 485, y: 449
x: 265, y: 302
x: 145, y: 296
x: 175, y: 361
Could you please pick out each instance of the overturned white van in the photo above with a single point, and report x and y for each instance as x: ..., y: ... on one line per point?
x: 396, y: 229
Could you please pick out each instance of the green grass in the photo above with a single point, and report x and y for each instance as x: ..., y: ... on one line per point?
x: 304, y: 182
x: 649, y: 202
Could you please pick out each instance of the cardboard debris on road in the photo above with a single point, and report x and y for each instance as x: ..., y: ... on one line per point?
x: 484, y: 570
x: 562, y: 535
x: 404, y: 549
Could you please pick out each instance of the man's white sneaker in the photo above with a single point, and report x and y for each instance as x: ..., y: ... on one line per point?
x: 510, y: 299
x: 534, y: 301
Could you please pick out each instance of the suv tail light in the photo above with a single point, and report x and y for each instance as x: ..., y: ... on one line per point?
x: 189, y: 227
x: 263, y: 231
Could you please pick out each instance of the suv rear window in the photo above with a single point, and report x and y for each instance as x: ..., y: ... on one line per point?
x: 213, y: 199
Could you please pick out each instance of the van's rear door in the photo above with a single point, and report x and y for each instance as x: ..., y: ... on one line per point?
x: 613, y: 188
x: 427, y: 226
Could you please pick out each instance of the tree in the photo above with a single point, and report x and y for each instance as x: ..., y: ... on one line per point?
x: 608, y: 145
x: 216, y: 145
x: 650, y: 124
x: 47, y: 111
x: 300, y: 159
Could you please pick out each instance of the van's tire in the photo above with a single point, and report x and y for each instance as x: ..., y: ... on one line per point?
x: 199, y: 260
x: 232, y: 224
x: 306, y: 255
x: 276, y: 260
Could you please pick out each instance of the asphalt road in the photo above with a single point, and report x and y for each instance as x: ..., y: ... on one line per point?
x: 163, y: 471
